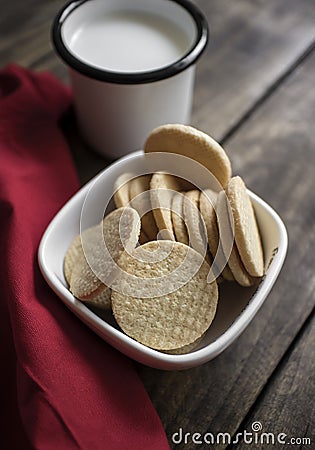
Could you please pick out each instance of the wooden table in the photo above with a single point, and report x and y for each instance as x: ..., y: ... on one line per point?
x: 255, y: 93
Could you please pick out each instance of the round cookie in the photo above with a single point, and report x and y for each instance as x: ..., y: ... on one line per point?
x: 83, y: 283
x: 234, y: 261
x: 187, y: 348
x: 73, y: 255
x: 246, y: 231
x: 177, y: 218
x: 193, y: 143
x: 121, y: 190
x: 172, y: 320
x: 102, y: 300
x: 140, y: 201
x: 195, y: 227
x: 74, y: 252
x: 207, y: 202
x: 122, y: 197
x: 207, y: 205
x: 102, y: 245
x: 162, y: 187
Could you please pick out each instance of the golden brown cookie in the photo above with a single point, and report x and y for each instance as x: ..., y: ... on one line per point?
x: 192, y: 143
x: 172, y: 320
x: 178, y: 218
x: 102, y: 245
x: 187, y: 348
x: 207, y: 205
x: 231, y: 253
x: 121, y: 190
x: 83, y: 283
x: 162, y: 187
x: 246, y: 230
x: 102, y: 300
x: 140, y: 200
x: 193, y: 220
x: 74, y: 252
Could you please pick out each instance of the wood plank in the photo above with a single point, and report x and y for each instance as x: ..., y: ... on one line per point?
x: 287, y: 404
x: 274, y: 152
x: 25, y: 35
x: 252, y: 43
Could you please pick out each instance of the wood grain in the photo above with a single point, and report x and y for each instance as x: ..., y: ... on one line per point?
x: 255, y: 48
x: 249, y: 48
x: 287, y: 404
x: 252, y: 43
x: 25, y: 29
x: 274, y: 152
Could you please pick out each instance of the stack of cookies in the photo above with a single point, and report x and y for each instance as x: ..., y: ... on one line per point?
x: 157, y: 259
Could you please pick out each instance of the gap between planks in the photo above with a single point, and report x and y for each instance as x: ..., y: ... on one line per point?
x: 269, y: 91
x: 227, y: 135
x: 283, y: 360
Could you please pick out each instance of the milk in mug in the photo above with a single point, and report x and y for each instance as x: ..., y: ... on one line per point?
x: 127, y: 41
x: 131, y: 66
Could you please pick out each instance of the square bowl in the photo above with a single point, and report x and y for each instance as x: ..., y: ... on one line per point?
x: 237, y: 306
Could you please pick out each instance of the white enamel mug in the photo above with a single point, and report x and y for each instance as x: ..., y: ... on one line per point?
x: 131, y: 66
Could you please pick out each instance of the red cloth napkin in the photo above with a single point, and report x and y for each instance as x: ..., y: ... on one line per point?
x: 61, y: 386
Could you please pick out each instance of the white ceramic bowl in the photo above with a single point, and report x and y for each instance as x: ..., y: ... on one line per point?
x: 236, y: 308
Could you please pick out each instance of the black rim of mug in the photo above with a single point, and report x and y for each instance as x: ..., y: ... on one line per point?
x: 125, y: 77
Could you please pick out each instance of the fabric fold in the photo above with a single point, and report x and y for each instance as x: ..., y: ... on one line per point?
x: 72, y: 389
